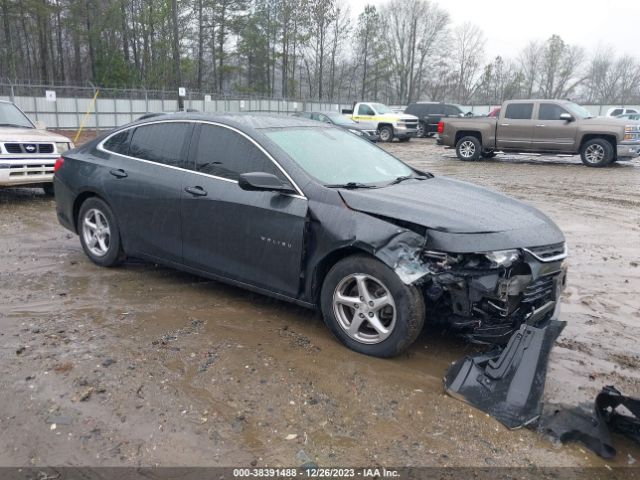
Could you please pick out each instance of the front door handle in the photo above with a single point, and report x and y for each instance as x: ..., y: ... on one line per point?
x: 504, y: 124
x: 196, y: 191
x: 118, y: 173
x: 541, y: 125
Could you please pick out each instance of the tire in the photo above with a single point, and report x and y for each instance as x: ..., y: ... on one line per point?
x: 386, y: 133
x: 488, y: 154
x: 597, y: 153
x: 48, y: 189
x: 422, y: 130
x: 101, y: 243
x: 468, y: 149
x: 399, y: 320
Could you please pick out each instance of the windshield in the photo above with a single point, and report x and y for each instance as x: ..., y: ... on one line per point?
x: 578, y: 110
x: 11, y: 116
x: 337, y: 157
x: 341, y: 120
x: 381, y: 108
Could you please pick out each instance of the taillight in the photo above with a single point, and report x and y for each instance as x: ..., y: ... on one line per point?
x: 58, y: 164
x: 440, y: 127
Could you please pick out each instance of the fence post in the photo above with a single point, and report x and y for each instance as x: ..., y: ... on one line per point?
x: 146, y: 100
x: 13, y: 97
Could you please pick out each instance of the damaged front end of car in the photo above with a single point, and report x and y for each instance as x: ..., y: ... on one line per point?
x: 484, y: 296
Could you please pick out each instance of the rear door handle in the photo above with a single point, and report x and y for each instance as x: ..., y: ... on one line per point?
x: 196, y: 191
x: 541, y: 125
x: 118, y: 173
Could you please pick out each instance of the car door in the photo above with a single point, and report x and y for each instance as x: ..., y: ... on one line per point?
x: 551, y: 132
x: 253, y: 237
x: 144, y: 188
x: 515, y: 127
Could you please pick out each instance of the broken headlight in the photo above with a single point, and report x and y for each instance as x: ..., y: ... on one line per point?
x: 502, y: 258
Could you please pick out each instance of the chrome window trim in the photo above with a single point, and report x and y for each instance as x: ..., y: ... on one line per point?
x: 101, y: 147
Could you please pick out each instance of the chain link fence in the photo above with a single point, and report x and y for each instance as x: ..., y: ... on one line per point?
x: 115, y: 107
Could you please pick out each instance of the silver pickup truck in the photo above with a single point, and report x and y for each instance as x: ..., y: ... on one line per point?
x: 543, y: 126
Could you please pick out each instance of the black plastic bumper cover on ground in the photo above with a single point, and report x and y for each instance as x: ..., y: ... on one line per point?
x: 507, y: 384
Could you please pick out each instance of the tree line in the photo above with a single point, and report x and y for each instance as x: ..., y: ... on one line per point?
x: 402, y: 51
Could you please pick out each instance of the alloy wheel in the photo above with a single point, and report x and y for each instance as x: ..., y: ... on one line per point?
x: 96, y: 232
x: 594, y: 153
x: 364, y: 308
x: 467, y: 149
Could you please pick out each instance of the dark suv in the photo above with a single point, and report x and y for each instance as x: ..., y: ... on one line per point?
x: 430, y: 113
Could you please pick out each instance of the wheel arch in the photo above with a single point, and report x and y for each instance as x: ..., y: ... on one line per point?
x: 468, y: 133
x: 77, y: 204
x: 609, y: 137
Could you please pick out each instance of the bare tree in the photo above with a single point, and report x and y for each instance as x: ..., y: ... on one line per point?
x: 468, y: 55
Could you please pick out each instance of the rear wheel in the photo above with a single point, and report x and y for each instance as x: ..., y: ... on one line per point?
x: 468, y: 148
x: 421, y: 130
x: 386, y: 133
x: 369, y: 309
x: 99, y: 233
x: 597, y: 153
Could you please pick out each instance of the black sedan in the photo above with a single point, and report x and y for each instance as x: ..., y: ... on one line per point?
x: 309, y: 213
x: 362, y: 129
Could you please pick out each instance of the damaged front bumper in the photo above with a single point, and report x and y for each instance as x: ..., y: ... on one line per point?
x: 484, y: 301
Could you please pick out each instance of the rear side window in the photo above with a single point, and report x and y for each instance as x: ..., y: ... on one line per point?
x: 550, y: 111
x: 452, y: 110
x: 119, y: 143
x: 160, y: 142
x: 225, y: 153
x: 519, y: 111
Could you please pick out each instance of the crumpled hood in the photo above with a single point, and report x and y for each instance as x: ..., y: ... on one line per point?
x: 455, y: 207
x: 12, y: 134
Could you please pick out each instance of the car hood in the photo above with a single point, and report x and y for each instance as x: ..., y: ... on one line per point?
x: 11, y: 134
x: 454, y: 207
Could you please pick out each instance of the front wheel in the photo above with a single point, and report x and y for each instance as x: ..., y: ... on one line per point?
x: 386, y: 133
x: 99, y: 233
x: 468, y: 148
x: 421, y: 133
x: 597, y: 153
x: 368, y: 308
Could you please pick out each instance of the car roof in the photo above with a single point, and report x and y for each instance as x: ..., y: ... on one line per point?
x: 242, y: 121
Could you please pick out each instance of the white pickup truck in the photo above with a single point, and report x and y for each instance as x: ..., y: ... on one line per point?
x: 28, y: 152
x: 390, y: 124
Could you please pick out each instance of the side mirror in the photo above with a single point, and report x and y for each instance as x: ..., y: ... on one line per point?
x: 567, y: 117
x: 40, y: 125
x: 261, y: 181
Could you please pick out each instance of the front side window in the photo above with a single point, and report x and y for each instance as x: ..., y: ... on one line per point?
x: 225, y: 153
x: 365, y: 110
x: 12, y: 116
x: 616, y: 112
x: 160, y: 142
x: 550, y: 111
x: 336, y: 157
x: 119, y: 143
x: 519, y: 111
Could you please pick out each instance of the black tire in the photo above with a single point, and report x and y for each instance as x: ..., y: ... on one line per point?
x: 488, y: 154
x: 597, y: 153
x: 408, y: 306
x: 48, y: 189
x: 468, y: 149
x: 422, y: 130
x: 114, y: 254
x: 386, y: 133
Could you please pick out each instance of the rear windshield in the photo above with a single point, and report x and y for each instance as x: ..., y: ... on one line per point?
x: 334, y: 156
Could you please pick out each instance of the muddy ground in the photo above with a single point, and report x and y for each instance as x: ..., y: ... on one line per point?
x: 143, y: 365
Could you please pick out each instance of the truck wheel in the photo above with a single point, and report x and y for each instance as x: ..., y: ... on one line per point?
x: 386, y: 133
x: 368, y: 308
x: 597, y: 153
x: 421, y: 130
x: 468, y: 148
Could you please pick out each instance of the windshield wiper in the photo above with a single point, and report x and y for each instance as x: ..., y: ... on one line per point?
x: 408, y: 177
x: 14, y: 125
x: 351, y: 185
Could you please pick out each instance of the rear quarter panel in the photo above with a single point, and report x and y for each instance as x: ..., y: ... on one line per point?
x: 484, y: 126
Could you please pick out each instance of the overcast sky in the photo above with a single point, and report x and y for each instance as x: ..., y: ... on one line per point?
x: 509, y: 24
